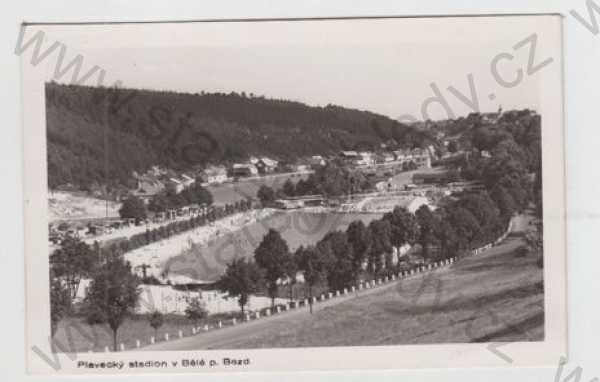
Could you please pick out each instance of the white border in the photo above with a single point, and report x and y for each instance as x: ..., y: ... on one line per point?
x: 447, y: 356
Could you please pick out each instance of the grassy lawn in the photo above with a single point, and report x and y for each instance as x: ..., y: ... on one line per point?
x: 75, y: 334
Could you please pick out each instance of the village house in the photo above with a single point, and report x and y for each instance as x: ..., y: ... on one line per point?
x: 366, y: 158
x: 421, y: 157
x: 350, y: 157
x: 402, y: 155
x: 316, y: 161
x: 301, y: 165
x: 174, y: 185
x: 388, y: 157
x: 243, y: 169
x: 266, y: 165
x: 177, y: 184
x: 186, y: 180
x: 147, y: 186
x: 214, y: 175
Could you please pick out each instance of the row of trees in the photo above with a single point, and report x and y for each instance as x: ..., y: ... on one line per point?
x: 341, y: 258
x: 165, y: 231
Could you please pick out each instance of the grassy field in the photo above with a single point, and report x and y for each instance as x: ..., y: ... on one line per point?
x: 75, y: 334
x: 496, y: 296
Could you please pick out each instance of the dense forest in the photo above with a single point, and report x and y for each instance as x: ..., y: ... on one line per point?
x: 99, y: 136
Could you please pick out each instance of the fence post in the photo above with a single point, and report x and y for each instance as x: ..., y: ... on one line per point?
x: 233, y: 321
x: 193, y: 330
x: 257, y: 314
x: 166, y: 336
x: 122, y: 346
x: 278, y: 309
x: 137, y: 343
x: 106, y: 349
x: 152, y: 339
x: 329, y: 295
x: 206, y: 328
x: 268, y: 312
x: 247, y: 316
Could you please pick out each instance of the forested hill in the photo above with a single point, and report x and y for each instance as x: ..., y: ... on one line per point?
x: 140, y: 128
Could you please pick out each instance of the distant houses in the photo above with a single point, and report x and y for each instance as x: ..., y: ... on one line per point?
x: 421, y: 157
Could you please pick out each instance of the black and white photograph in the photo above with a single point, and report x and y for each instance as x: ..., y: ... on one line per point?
x: 390, y: 184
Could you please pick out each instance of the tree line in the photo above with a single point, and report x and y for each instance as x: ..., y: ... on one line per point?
x: 174, y: 228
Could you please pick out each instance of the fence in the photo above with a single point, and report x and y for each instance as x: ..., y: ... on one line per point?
x: 280, y: 309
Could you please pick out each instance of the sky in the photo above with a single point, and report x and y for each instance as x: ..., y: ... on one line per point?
x: 387, y: 66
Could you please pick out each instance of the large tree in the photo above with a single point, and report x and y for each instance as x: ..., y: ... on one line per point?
x: 340, y: 272
x: 156, y: 320
x: 71, y: 262
x: 466, y: 226
x: 112, y: 295
x: 405, y: 229
x: 60, y: 302
x: 291, y: 271
x: 196, y: 310
x: 381, y: 244
x: 447, y: 236
x: 265, y: 194
x: 427, y: 228
x: 312, y: 263
x: 272, y: 255
x: 242, y: 278
x: 359, y: 238
x: 133, y: 208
